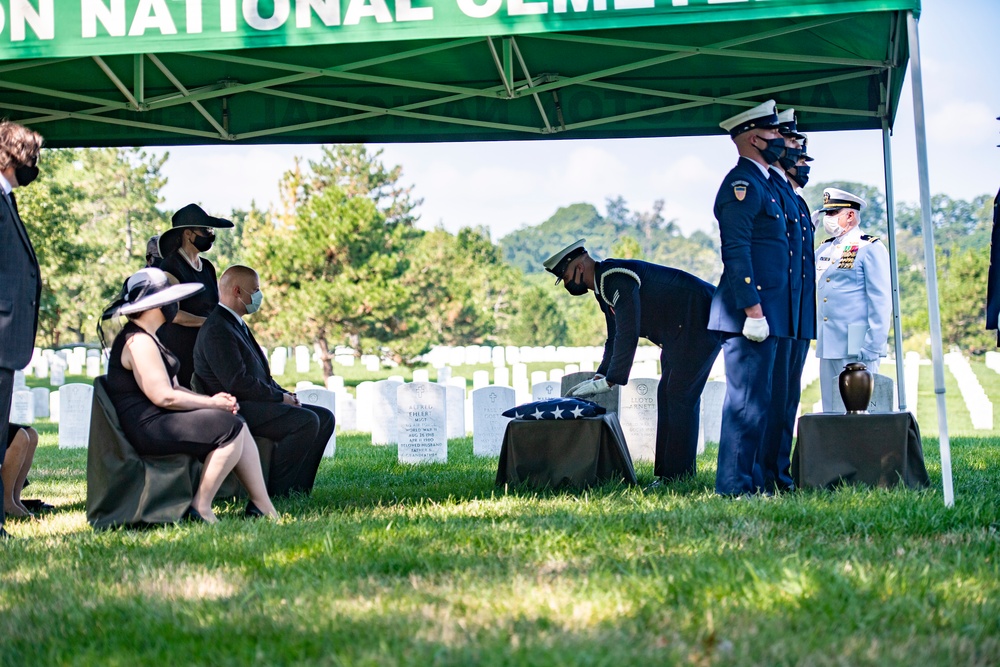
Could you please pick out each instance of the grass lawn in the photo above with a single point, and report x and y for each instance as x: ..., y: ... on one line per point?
x: 434, y: 565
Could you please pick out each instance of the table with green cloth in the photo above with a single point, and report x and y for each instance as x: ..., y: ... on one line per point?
x: 873, y: 449
x: 558, y: 453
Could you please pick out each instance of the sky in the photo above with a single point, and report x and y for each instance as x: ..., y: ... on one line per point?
x: 508, y: 185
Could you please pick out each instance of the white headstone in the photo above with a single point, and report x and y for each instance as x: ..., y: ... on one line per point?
x: 571, y: 368
x: 455, y: 425
x: 421, y: 418
x: 75, y: 402
x: 58, y: 372
x: 373, y: 364
x: 383, y: 422
x: 512, y: 353
x: 42, y: 367
x: 421, y: 375
x: 19, y: 381
x: 347, y: 412
x: 712, y: 398
x: 643, y: 369
x: 75, y: 364
x: 520, y: 371
x: 488, y: 422
x: 542, y: 391
x: 480, y: 379
x: 396, y: 378
x: 501, y: 376
x: 54, y: 407
x: 498, y: 357
x: 327, y: 399
x: 334, y: 383
x: 444, y: 374
x: 637, y: 414
x: 301, y: 359
x: 303, y: 384
x: 365, y: 399
x: 22, y: 407
x: 556, y: 374
x: 485, y: 354
x: 41, y: 397
x: 588, y: 367
x: 344, y: 359
x: 538, y: 376
x: 278, y: 359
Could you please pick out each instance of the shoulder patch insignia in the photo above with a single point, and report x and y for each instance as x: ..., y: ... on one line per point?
x: 869, y: 238
x: 740, y: 189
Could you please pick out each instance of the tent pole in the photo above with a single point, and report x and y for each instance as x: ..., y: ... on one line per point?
x: 937, y: 354
x: 890, y: 211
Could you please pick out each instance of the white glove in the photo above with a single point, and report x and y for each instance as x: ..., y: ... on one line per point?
x: 589, y: 388
x: 865, y: 355
x: 756, y: 329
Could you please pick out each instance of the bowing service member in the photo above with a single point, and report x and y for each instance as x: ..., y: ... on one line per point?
x: 228, y: 358
x: 854, y: 295
x: 670, y: 308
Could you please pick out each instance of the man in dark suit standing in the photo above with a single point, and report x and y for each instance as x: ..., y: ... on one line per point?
x: 19, y: 273
x: 993, y: 278
x: 228, y: 358
x: 752, y: 306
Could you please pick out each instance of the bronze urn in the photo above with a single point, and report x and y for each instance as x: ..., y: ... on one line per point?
x: 856, y: 386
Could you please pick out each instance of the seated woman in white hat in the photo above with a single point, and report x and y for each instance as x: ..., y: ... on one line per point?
x: 158, y: 416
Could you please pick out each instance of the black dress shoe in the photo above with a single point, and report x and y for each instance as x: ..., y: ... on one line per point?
x: 192, y: 515
x: 252, y: 511
x: 36, y: 505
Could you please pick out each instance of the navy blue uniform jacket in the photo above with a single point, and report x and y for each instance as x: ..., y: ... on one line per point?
x: 755, y: 253
x: 661, y: 304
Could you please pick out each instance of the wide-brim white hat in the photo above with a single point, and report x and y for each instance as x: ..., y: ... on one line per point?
x: 150, y: 288
x: 557, y: 263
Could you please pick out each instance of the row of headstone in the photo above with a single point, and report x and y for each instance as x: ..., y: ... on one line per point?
x: 70, y: 407
x: 978, y: 403
x: 509, y: 355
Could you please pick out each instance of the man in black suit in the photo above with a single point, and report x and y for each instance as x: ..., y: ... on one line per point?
x: 228, y: 358
x: 19, y: 274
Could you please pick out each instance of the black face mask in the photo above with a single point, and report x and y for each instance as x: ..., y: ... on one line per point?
x: 170, y: 311
x: 791, y: 156
x: 25, y: 175
x: 203, y: 243
x: 575, y: 288
x: 773, y: 151
x: 801, y: 175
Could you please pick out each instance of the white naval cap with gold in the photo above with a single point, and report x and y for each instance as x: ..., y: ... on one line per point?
x: 557, y: 263
x: 764, y: 116
x: 837, y: 200
x: 787, y: 124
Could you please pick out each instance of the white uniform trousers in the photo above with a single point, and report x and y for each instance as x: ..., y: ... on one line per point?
x: 829, y: 372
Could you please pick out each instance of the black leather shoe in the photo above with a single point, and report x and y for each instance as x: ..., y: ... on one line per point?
x: 252, y: 511
x: 192, y: 515
x: 35, y: 505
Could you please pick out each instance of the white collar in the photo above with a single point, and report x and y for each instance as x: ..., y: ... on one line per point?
x: 238, y: 318
x: 852, y: 237
x: 5, y: 185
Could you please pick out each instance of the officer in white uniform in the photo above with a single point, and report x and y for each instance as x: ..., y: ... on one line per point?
x: 853, y: 294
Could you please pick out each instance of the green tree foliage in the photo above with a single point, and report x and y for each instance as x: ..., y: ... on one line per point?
x: 962, y: 293
x: 627, y: 248
x: 89, y: 216
x: 659, y: 241
x: 539, y: 321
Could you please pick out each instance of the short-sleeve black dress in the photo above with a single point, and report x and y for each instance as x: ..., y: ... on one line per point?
x: 180, y: 339
x: 155, y: 431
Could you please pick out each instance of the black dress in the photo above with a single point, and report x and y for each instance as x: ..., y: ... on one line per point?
x: 180, y: 339
x: 155, y: 431
x: 12, y: 433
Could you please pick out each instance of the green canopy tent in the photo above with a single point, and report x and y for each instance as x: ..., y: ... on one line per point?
x: 169, y: 72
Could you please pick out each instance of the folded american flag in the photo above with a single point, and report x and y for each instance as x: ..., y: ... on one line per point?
x: 556, y: 408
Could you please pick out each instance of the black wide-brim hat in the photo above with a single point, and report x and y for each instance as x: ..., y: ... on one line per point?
x: 191, y: 215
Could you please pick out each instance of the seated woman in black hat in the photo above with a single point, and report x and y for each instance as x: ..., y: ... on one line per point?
x: 158, y: 416
x: 192, y: 233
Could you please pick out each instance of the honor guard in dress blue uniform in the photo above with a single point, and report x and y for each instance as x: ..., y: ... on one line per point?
x: 993, y: 277
x: 668, y: 307
x: 854, y: 303
x: 772, y: 470
x: 752, y: 306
